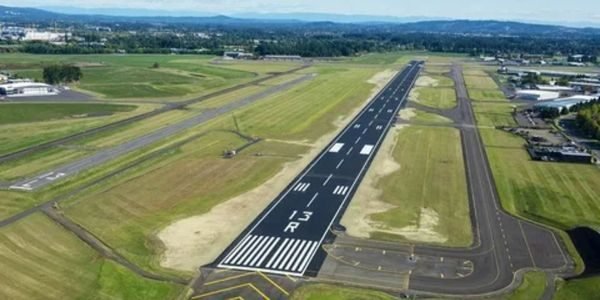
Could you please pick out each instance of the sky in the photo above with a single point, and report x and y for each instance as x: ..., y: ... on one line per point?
x: 542, y: 10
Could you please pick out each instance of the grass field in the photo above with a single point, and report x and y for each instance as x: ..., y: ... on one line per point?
x: 494, y: 114
x: 481, y: 86
x: 442, y: 98
x: 429, y: 191
x: 421, y: 116
x: 19, y: 135
x: 483, y: 95
x: 532, y: 287
x: 580, y: 289
x: 131, y: 76
x: 184, y: 183
x: 335, y: 292
x: 36, y: 112
x: 40, y: 260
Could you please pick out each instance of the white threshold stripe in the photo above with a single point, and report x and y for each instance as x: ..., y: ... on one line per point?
x: 288, y: 254
x: 241, y: 252
x: 266, y: 254
x: 295, y: 267
x: 257, y: 249
x: 283, y: 253
x: 308, y: 257
x: 277, y: 252
x: 294, y: 256
x: 336, y: 147
x: 250, y: 249
x: 336, y: 189
x: 262, y: 250
x: 237, y: 248
x: 305, y: 187
x: 366, y: 150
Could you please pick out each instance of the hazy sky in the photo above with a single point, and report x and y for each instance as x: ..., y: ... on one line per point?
x: 547, y: 10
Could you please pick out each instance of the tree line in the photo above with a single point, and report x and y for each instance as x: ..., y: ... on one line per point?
x: 588, y: 119
x: 57, y: 74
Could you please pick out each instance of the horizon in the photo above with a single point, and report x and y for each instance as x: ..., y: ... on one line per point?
x: 573, y: 14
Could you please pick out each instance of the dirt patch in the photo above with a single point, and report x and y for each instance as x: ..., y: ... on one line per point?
x: 414, y: 95
x: 407, y: 114
x: 366, y: 201
x: 196, y: 241
x: 426, y: 81
x: 88, y: 64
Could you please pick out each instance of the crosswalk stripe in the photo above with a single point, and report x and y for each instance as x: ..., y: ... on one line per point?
x: 236, y: 249
x: 259, y: 244
x: 249, y: 250
x: 242, y: 250
x: 294, y: 256
x: 277, y: 252
x: 264, y: 252
x: 283, y: 253
x: 306, y: 247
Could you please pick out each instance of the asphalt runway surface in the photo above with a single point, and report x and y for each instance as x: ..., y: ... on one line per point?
x: 503, y: 244
x: 287, y: 235
x: 70, y: 169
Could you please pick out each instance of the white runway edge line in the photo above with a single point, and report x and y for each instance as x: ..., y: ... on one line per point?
x: 313, y: 249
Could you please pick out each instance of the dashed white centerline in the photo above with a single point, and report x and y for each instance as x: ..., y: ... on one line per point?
x: 350, y: 150
x: 312, y: 199
x: 365, y: 131
x: 339, y: 164
x: 357, y: 140
x: 327, y: 180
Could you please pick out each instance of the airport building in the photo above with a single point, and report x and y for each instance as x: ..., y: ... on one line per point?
x: 567, y: 103
x: 536, y: 95
x: 27, y: 89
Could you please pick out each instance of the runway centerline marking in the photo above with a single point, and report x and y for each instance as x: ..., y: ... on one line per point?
x: 339, y: 164
x: 312, y: 199
x: 327, y: 180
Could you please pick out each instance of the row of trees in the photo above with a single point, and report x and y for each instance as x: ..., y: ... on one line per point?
x: 57, y: 74
x: 588, y: 119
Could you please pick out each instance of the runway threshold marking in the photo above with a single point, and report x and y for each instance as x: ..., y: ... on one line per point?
x: 336, y: 148
x: 366, y: 150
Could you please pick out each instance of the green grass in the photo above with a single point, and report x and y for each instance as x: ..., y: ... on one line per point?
x: 131, y: 76
x: 36, y: 112
x: 494, y: 114
x: 431, y: 176
x: 480, y: 82
x: 421, y: 116
x: 334, y: 292
x: 560, y: 194
x: 442, y: 98
x: 40, y: 260
x: 442, y: 81
x: 486, y: 95
x: 19, y: 135
x: 532, y: 287
x: 183, y: 183
x: 578, y: 289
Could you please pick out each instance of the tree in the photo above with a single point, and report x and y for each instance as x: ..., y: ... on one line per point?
x: 155, y: 65
x: 56, y: 74
x: 564, y: 111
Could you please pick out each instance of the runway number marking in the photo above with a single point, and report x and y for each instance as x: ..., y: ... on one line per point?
x: 336, y: 148
x: 366, y: 150
x: 293, y: 225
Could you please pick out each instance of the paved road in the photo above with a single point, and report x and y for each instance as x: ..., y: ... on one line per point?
x: 287, y: 235
x: 70, y: 169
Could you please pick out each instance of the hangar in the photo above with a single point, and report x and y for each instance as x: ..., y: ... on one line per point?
x: 27, y: 89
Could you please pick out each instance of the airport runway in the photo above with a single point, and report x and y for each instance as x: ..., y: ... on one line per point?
x: 100, y: 157
x: 286, y: 236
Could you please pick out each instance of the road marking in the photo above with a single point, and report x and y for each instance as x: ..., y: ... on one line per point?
x: 260, y: 254
x: 350, y: 151
x: 312, y: 199
x: 390, y: 111
x: 336, y: 148
x: 357, y: 140
x: 301, y: 187
x: 327, y: 180
x: 370, y: 123
x: 295, y: 266
x: 366, y: 150
x: 272, y: 260
x: 308, y: 256
x: 379, y: 127
x: 259, y: 245
x: 264, y: 256
x: 371, y: 110
x: 243, y: 250
x: 339, y: 164
x: 357, y: 126
x: 236, y: 249
x: 340, y: 190
x: 289, y: 254
x: 365, y: 131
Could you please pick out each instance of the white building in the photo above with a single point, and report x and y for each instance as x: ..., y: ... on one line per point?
x: 536, y: 95
x: 27, y: 89
x: 45, y: 36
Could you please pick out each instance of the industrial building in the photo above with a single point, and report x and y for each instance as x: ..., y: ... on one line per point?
x: 569, y: 154
x: 536, y: 95
x: 567, y: 103
x: 27, y: 89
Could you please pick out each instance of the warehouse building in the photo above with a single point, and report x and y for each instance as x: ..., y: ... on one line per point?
x: 536, y: 95
x: 567, y: 103
x: 27, y: 89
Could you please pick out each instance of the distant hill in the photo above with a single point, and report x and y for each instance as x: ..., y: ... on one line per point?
x: 486, y: 27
